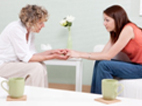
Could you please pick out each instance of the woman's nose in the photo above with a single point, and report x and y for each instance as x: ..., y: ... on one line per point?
x: 104, y: 23
x: 43, y: 25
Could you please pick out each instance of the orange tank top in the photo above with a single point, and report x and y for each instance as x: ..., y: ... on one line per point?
x: 134, y: 47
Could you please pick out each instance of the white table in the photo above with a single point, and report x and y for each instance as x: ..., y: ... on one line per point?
x: 71, y: 62
x: 37, y: 96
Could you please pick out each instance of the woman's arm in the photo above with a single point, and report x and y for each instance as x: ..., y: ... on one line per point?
x: 47, y: 55
x: 107, y: 46
x: 125, y: 36
x: 38, y: 57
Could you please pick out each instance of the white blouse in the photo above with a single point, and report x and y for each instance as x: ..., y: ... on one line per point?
x: 13, y: 44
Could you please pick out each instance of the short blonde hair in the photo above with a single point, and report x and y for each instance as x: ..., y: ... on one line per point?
x: 31, y: 14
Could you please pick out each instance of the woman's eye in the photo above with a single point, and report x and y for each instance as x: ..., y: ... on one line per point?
x: 107, y: 20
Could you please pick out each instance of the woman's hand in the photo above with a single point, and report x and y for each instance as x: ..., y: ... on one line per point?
x: 61, y: 57
x: 59, y: 54
x: 73, y: 54
x: 57, y: 51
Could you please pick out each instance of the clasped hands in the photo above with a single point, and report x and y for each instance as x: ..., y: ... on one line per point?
x: 62, y: 54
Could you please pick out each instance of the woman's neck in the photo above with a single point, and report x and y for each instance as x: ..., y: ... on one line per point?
x: 27, y: 35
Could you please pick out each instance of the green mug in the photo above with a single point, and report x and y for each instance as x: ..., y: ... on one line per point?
x: 16, y: 87
x: 110, y: 89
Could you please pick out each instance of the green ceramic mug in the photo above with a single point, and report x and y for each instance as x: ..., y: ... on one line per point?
x: 16, y: 87
x: 110, y: 89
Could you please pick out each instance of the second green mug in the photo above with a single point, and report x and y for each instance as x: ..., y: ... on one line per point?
x: 16, y: 87
x: 110, y: 89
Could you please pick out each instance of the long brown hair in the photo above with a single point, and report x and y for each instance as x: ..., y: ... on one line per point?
x: 120, y: 17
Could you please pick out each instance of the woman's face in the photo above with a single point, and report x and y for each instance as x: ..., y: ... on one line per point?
x: 37, y: 27
x: 109, y: 23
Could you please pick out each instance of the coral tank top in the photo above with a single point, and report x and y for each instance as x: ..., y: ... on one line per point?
x: 134, y: 47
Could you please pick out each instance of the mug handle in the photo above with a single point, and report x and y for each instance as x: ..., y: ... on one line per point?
x: 122, y: 88
x: 3, y: 86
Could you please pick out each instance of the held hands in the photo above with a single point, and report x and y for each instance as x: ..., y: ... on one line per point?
x: 64, y: 54
x: 70, y: 53
x: 59, y: 54
x: 73, y: 54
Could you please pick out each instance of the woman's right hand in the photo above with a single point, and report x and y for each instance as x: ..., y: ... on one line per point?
x: 73, y: 54
x: 59, y: 54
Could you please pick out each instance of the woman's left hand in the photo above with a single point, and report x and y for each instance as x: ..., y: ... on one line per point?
x: 59, y: 51
x: 60, y: 54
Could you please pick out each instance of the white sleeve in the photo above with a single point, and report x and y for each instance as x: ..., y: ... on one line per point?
x: 32, y: 44
x: 18, y: 40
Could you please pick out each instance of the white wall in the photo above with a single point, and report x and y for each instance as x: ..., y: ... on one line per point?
x: 87, y: 29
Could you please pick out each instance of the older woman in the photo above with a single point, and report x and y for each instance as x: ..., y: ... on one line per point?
x: 18, y: 57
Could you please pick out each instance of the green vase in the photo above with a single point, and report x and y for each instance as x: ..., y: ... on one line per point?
x: 69, y: 43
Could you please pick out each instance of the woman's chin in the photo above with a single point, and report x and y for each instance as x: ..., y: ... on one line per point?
x: 36, y: 31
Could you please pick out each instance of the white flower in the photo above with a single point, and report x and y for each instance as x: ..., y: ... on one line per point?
x: 70, y: 18
x: 45, y: 47
x: 63, y: 22
x: 67, y: 21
